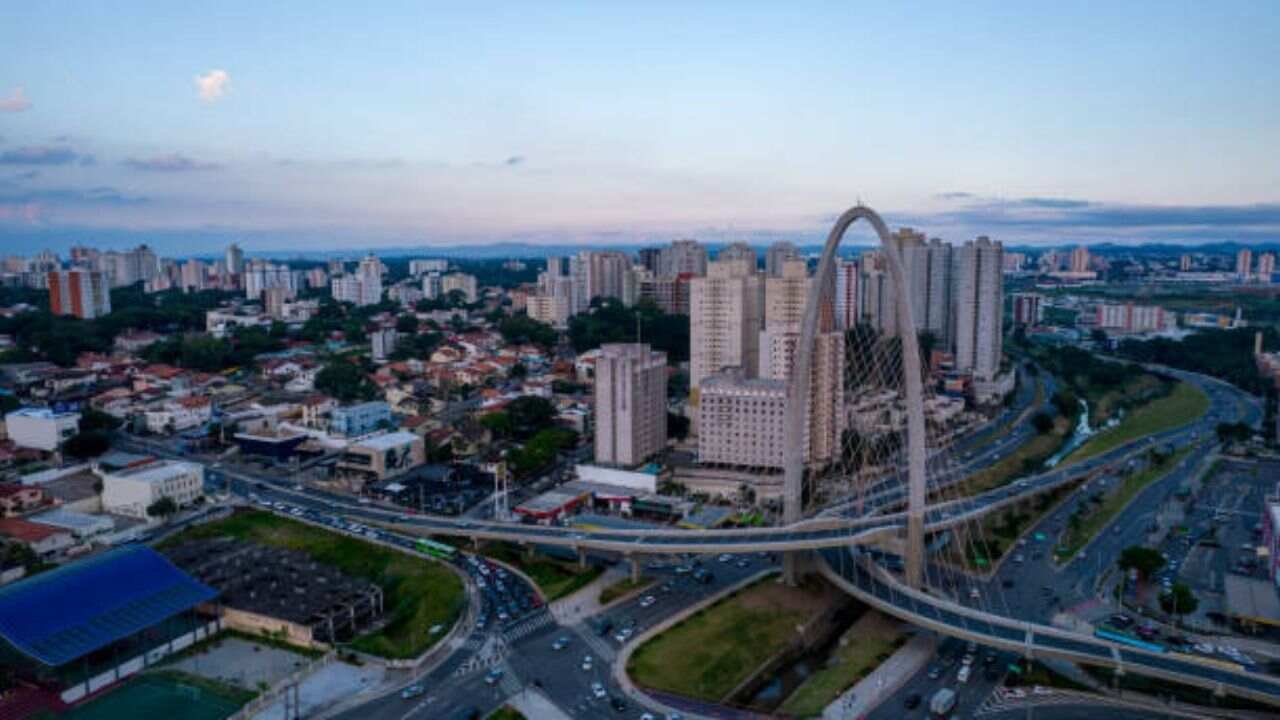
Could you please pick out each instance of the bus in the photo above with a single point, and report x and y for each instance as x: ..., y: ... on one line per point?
x: 437, y: 550
x: 1127, y: 640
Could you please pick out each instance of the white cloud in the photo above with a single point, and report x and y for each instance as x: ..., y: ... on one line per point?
x: 212, y: 85
x: 17, y: 102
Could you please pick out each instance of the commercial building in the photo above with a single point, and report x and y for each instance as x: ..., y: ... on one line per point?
x: 383, y: 456
x: 41, y: 428
x: 726, y: 313
x: 978, y: 286
x: 360, y: 419
x: 630, y: 403
x: 85, y: 294
x: 131, y: 491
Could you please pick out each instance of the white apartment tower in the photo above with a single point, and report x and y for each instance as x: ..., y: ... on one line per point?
x: 979, y: 299
x: 927, y: 268
x: 726, y: 313
x: 683, y: 257
x: 630, y: 403
x: 778, y: 254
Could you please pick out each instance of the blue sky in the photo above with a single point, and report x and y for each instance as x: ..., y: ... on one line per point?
x: 300, y: 124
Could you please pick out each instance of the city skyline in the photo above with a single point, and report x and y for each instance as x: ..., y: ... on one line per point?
x: 625, y: 125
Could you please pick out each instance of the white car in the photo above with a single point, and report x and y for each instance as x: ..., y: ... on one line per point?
x: 965, y: 672
x: 586, y: 663
x: 647, y: 601
x: 598, y: 690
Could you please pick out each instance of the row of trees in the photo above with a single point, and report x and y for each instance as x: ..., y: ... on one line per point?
x: 1225, y: 354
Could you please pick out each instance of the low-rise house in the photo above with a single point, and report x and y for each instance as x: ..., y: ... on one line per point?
x: 315, y: 410
x: 16, y: 499
x: 360, y: 419
x: 46, y: 541
x: 179, y: 414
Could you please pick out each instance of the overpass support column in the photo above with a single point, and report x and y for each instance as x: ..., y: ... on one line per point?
x: 634, y: 561
x: 582, y: 558
x: 528, y: 551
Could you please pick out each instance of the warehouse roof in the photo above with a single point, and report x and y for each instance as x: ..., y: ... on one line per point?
x: 60, y: 615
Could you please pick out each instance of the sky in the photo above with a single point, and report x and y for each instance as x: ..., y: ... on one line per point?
x: 304, y: 125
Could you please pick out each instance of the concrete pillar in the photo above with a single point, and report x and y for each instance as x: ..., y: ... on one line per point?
x: 528, y: 551
x: 582, y: 558
x: 634, y: 560
x: 791, y: 568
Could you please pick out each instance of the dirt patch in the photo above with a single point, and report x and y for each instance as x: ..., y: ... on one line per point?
x: 810, y: 598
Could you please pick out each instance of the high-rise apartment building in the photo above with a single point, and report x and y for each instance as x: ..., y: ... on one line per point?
x: 877, y: 298
x: 726, y: 314
x: 1266, y: 265
x: 630, y: 403
x: 848, y: 312
x: 1184, y: 263
x: 1080, y: 259
x: 83, y: 293
x: 777, y: 254
x: 927, y: 269
x: 1027, y: 308
x: 738, y: 251
x: 260, y: 275
x: 463, y: 283
x: 978, y: 286
x: 194, y: 274
x: 683, y: 257
x: 235, y: 262
x: 1244, y: 262
x: 422, y: 267
x: 650, y: 259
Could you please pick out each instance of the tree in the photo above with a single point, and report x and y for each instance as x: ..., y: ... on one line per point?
x: 1179, y: 600
x: 498, y: 423
x: 1143, y: 559
x: 521, y: 329
x: 530, y: 414
x: 407, y: 324
x: 1099, y: 336
x: 162, y: 508
x: 519, y: 371
x: 94, y: 419
x: 677, y: 426
x: 87, y: 444
x: 1042, y: 422
x: 345, y: 381
x: 1234, y: 432
x: 1066, y: 402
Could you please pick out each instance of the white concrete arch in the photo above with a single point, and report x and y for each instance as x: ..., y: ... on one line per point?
x: 802, y: 372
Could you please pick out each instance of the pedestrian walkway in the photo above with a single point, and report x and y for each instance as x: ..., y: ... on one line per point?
x: 586, y: 601
x: 533, y: 704
x: 528, y: 625
x: 863, y: 697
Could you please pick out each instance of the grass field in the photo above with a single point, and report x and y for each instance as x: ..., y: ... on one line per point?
x: 419, y: 594
x: 623, y: 587
x: 506, y: 712
x: 165, y: 694
x: 1098, y: 518
x: 865, y: 645
x: 555, y: 578
x: 1181, y: 406
x: 710, y: 653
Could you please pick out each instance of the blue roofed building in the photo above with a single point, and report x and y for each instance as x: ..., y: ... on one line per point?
x: 360, y: 419
x: 87, y: 625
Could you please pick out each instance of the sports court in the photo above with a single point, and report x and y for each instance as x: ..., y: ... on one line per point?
x: 157, y: 696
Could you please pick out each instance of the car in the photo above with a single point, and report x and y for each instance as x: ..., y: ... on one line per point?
x: 967, y: 660
x: 412, y: 691
x: 598, y: 690
x: 726, y: 557
x: 586, y: 663
x: 913, y: 701
x: 1041, y: 690
x: 618, y: 704
x: 493, y: 676
x: 560, y: 643
x: 963, y: 675
x: 935, y: 672
x: 675, y: 716
x: 648, y: 716
x: 974, y: 594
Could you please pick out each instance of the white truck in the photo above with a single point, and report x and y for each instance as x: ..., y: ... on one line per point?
x: 942, y: 703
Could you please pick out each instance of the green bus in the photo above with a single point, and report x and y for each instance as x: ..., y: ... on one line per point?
x: 437, y: 550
